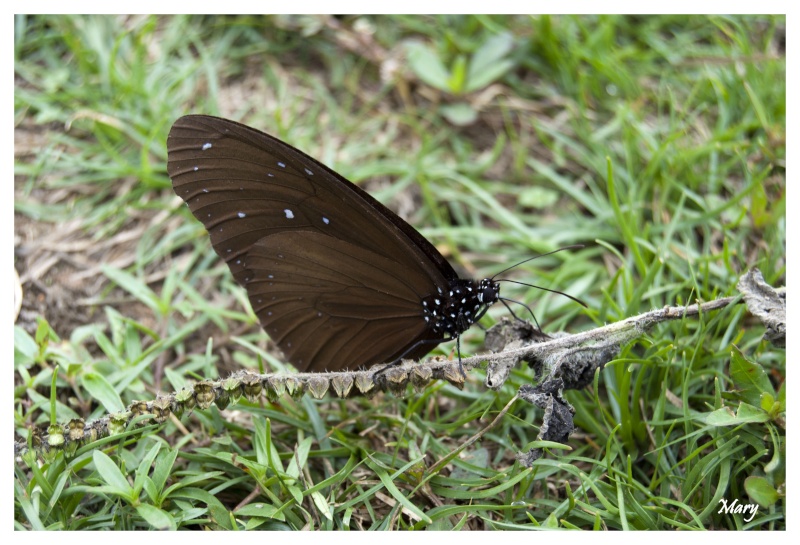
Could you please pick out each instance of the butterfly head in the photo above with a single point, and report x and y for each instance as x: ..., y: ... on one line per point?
x: 454, y: 310
x: 488, y: 291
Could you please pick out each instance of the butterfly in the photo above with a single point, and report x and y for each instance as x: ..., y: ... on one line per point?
x: 336, y: 279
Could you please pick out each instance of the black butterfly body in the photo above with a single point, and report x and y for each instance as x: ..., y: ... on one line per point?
x: 338, y: 280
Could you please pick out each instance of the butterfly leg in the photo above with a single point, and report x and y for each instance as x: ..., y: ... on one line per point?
x: 504, y: 299
x: 412, y: 348
x: 458, y: 351
x: 389, y: 365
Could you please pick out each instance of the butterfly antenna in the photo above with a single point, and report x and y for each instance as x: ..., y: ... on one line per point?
x: 573, y: 247
x: 568, y: 296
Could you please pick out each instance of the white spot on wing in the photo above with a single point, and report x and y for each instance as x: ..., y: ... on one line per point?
x: 325, y: 220
x: 241, y: 214
x: 282, y: 165
x: 309, y: 172
x: 289, y: 214
x: 206, y: 146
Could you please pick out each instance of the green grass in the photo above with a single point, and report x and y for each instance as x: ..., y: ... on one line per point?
x: 658, y: 142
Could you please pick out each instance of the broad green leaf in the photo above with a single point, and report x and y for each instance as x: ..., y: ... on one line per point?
x: 761, y: 491
x: 745, y: 414
x: 111, y: 474
x: 427, y: 65
x: 322, y: 504
x: 162, y: 468
x: 143, y: 470
x: 488, y: 63
x: 259, y: 509
x: 295, y: 491
x: 44, y: 333
x: 492, y: 51
x: 102, y: 391
x: 299, y: 458
x: 460, y: 113
x: 25, y: 348
x: 218, y: 512
x: 482, y: 79
x: 536, y: 197
x: 156, y: 518
x: 150, y: 489
x: 749, y: 378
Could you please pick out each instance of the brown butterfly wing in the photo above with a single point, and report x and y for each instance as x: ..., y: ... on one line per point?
x: 336, y: 278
